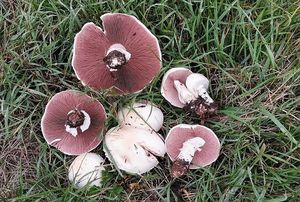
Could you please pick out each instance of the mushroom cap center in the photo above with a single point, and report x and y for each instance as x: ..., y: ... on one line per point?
x: 75, y: 118
x: 115, y: 59
x: 116, y: 56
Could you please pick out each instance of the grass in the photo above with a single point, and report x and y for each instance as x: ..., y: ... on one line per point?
x: 248, y: 49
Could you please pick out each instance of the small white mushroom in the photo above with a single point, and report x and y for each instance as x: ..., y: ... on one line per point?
x: 86, y: 169
x: 141, y: 115
x: 197, y: 84
x: 133, y: 149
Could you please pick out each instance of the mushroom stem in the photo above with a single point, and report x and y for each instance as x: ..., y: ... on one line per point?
x: 77, y: 118
x: 184, y: 95
x: 116, y: 56
x: 195, y: 96
x: 185, y: 157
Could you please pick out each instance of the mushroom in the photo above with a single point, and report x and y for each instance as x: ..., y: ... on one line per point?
x: 133, y: 149
x: 133, y: 145
x: 191, y: 146
x: 125, y: 56
x: 72, y: 122
x: 188, y: 90
x: 86, y: 169
x: 142, y: 115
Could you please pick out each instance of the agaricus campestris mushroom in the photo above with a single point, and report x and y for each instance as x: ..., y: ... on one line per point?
x: 142, y: 115
x: 133, y: 150
x: 125, y: 56
x: 133, y: 145
x: 86, y: 169
x: 191, y: 146
x: 72, y: 122
x: 188, y: 90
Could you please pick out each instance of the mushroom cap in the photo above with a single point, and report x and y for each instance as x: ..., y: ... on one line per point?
x: 168, y: 90
x: 54, y: 118
x: 133, y: 149
x: 86, y: 169
x: 142, y: 115
x: 91, y: 45
x: 194, y: 81
x: 183, y: 132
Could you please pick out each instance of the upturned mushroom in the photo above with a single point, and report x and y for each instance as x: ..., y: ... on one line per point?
x: 191, y: 147
x: 184, y: 89
x: 72, y: 122
x: 125, y: 56
x: 86, y: 170
x: 134, y: 144
x: 141, y: 115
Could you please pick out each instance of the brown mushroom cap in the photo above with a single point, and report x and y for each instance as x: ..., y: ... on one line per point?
x: 168, y: 90
x: 183, y: 132
x: 91, y: 45
x: 53, y: 122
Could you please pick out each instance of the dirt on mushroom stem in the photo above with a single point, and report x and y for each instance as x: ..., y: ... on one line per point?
x: 114, y: 60
x: 179, y: 168
x: 75, y: 118
x: 199, y: 107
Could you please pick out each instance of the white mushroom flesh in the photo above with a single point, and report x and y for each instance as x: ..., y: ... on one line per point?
x: 184, y: 95
x: 142, y: 115
x: 196, y: 86
x: 86, y: 124
x: 86, y: 169
x: 189, y: 149
x: 195, y: 81
x: 132, y: 149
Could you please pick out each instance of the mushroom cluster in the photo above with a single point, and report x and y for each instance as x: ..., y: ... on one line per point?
x: 184, y: 89
x: 124, y: 57
x: 134, y: 144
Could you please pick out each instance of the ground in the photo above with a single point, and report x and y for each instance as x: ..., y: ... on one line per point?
x: 249, y: 50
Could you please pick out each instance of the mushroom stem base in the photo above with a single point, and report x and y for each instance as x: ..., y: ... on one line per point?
x: 200, y: 108
x: 114, y: 60
x: 180, y: 167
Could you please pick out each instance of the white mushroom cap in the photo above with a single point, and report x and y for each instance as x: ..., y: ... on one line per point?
x: 197, y: 84
x: 142, y: 115
x: 86, y: 169
x: 133, y: 149
x: 195, y: 81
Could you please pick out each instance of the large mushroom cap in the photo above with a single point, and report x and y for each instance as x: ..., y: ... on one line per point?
x: 142, y: 115
x: 132, y: 149
x: 83, y: 136
x: 123, y: 33
x: 182, y: 133
x: 86, y: 169
x: 168, y: 89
